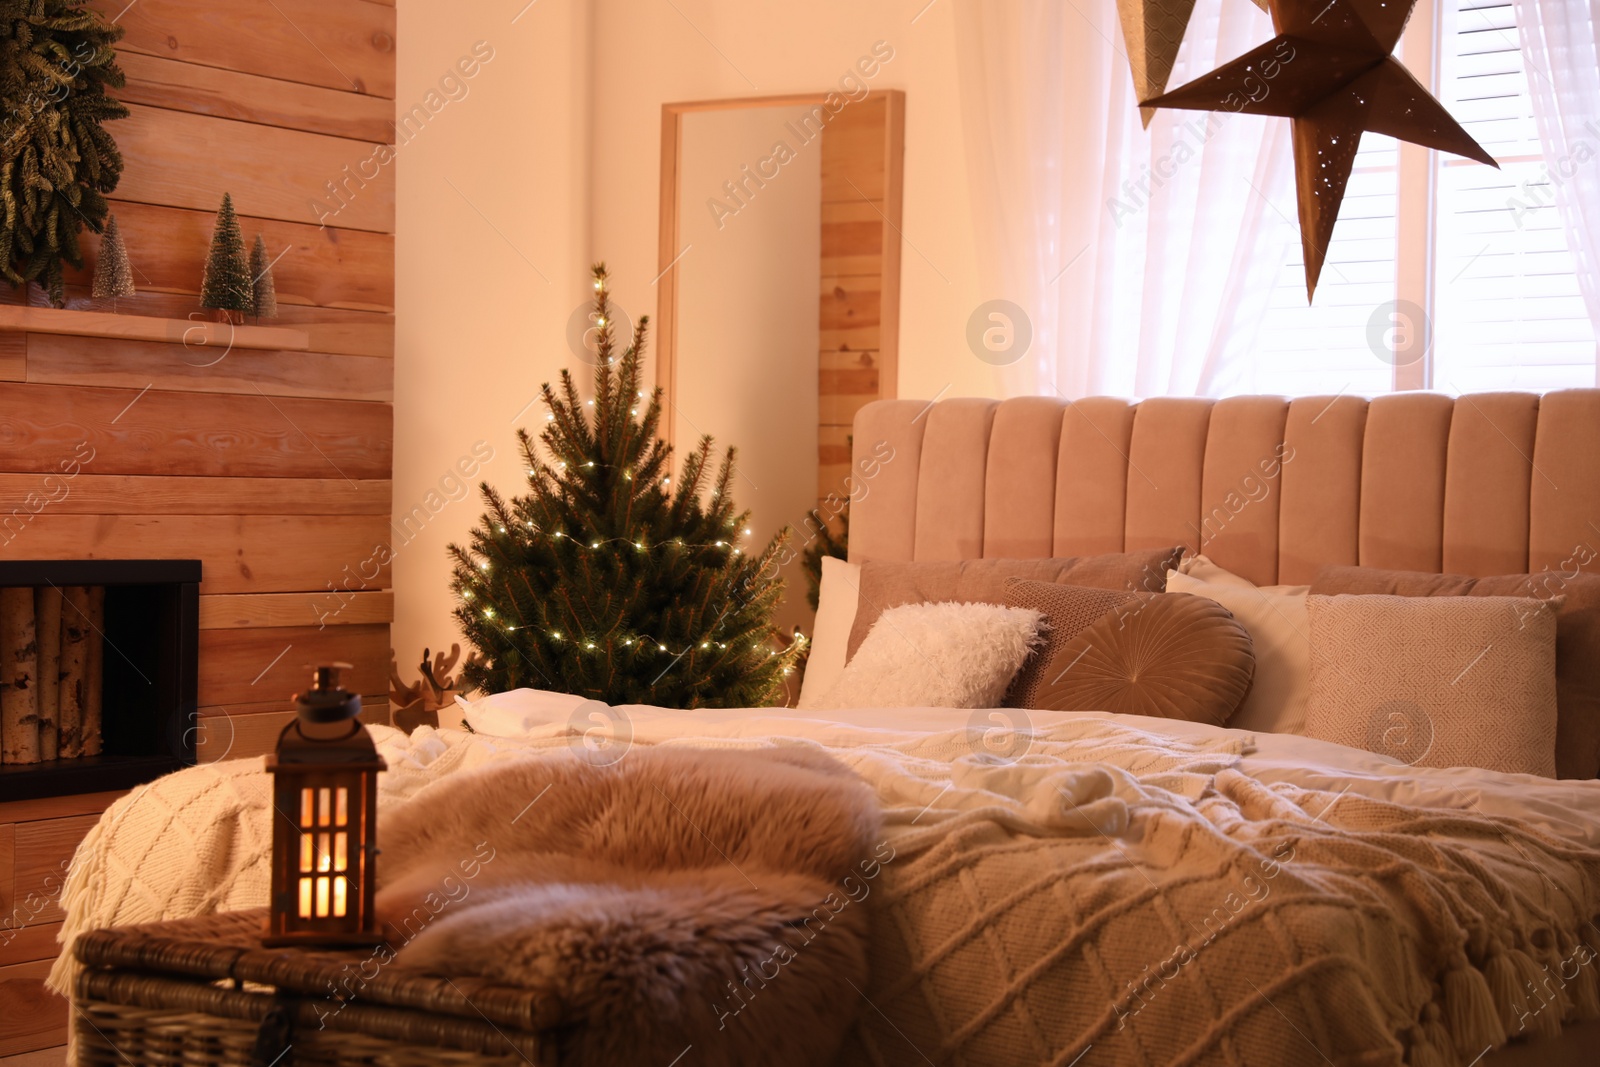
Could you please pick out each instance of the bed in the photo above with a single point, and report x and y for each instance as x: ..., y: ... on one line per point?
x: 1481, y: 485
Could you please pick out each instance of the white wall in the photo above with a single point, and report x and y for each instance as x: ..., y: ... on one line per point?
x: 491, y: 256
x: 557, y: 148
x: 747, y: 322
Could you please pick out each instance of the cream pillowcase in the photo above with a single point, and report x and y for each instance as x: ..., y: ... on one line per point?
x: 943, y: 655
x: 1275, y: 618
x: 837, y: 596
x: 1436, y: 681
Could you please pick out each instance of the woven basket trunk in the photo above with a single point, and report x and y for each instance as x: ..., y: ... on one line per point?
x: 203, y: 991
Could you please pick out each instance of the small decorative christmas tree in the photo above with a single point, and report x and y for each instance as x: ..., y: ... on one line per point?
x: 607, y: 581
x: 226, y: 286
x: 265, y: 300
x: 113, y: 274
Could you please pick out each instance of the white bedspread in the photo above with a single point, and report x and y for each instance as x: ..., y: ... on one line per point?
x: 198, y: 840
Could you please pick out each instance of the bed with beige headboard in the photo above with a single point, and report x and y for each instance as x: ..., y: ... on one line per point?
x: 1495, y: 483
x: 1242, y: 879
x: 1272, y: 489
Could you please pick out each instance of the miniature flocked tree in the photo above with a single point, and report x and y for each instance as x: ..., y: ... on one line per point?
x: 113, y: 274
x: 226, y: 286
x: 264, y: 302
x: 57, y: 161
x: 607, y: 580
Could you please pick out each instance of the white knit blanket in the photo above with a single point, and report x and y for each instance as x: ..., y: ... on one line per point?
x: 1112, y: 895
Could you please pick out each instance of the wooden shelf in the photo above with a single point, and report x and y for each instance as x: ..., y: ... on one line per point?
x: 191, y: 332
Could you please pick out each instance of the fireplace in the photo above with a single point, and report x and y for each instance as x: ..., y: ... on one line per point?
x: 145, y: 640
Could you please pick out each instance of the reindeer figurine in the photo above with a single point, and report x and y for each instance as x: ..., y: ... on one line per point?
x: 418, y: 704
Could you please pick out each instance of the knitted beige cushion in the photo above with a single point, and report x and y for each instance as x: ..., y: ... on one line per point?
x: 1170, y: 655
x: 1436, y: 681
x: 1068, y: 609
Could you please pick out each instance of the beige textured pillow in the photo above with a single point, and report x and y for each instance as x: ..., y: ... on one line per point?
x: 983, y: 581
x: 1577, y: 639
x: 1170, y: 655
x: 1436, y: 681
x: 1068, y: 610
x: 1275, y: 618
x: 937, y: 656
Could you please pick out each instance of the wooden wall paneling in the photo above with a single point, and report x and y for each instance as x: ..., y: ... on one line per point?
x: 114, y: 494
x: 57, y: 360
x: 35, y: 1018
x: 833, y: 461
x: 13, y: 357
x: 161, y: 431
x: 230, y: 94
x: 240, y: 553
x: 195, y: 333
x: 25, y: 944
x: 243, y: 611
x: 342, y: 44
x: 271, y: 173
x: 271, y: 663
x: 44, y: 850
x: 862, y: 177
x: 8, y: 870
x: 244, y: 730
x: 331, y: 266
x: 352, y: 333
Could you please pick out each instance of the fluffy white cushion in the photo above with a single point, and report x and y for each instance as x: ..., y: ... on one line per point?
x: 1450, y: 681
x: 1275, y: 616
x: 943, y: 655
x: 837, y: 596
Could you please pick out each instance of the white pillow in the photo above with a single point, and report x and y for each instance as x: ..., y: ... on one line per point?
x: 837, y: 596
x: 1436, y: 681
x: 1275, y: 617
x: 944, y: 655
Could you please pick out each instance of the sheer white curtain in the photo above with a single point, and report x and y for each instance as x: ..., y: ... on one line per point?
x: 1561, y: 52
x: 1143, y: 258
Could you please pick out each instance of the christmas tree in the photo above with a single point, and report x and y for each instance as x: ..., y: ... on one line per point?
x: 113, y: 274
x: 56, y: 160
x: 606, y: 580
x: 226, y: 285
x: 265, y: 300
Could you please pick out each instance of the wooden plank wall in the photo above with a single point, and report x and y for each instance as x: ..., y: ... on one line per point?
x: 863, y: 149
x: 273, y: 467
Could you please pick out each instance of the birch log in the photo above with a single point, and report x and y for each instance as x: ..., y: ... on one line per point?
x: 95, y: 690
x: 74, y: 669
x: 47, y: 627
x: 19, y: 707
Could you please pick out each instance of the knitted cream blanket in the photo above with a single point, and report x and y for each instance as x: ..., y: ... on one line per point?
x: 1110, y: 897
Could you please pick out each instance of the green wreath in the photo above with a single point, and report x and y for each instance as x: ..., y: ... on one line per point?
x: 56, y: 162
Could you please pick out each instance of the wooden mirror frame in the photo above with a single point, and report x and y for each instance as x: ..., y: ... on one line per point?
x: 863, y: 170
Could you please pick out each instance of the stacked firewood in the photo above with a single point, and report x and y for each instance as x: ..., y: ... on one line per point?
x: 52, y: 657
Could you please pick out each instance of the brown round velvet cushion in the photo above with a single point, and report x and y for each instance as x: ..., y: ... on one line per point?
x: 1172, y: 655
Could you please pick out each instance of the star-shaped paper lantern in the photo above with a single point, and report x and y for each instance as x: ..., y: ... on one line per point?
x: 1331, y: 71
x: 1153, y: 30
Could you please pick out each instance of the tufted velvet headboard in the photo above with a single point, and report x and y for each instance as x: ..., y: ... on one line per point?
x: 1272, y: 489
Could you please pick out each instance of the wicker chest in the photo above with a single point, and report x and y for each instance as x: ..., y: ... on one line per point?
x: 204, y: 991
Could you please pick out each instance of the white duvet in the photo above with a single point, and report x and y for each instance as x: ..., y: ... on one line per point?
x: 198, y: 840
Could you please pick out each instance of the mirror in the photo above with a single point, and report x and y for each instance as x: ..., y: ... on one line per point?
x: 778, y: 296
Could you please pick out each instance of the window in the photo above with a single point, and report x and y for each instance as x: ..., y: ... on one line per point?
x: 1483, y: 253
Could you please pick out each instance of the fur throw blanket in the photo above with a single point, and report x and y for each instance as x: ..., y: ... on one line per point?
x: 677, y: 898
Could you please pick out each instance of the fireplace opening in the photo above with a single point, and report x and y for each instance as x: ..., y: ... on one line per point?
x: 124, y: 707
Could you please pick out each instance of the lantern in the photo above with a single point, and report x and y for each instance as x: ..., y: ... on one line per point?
x: 324, y: 829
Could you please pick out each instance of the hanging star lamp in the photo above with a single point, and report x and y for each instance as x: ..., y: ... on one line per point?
x: 1335, y: 77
